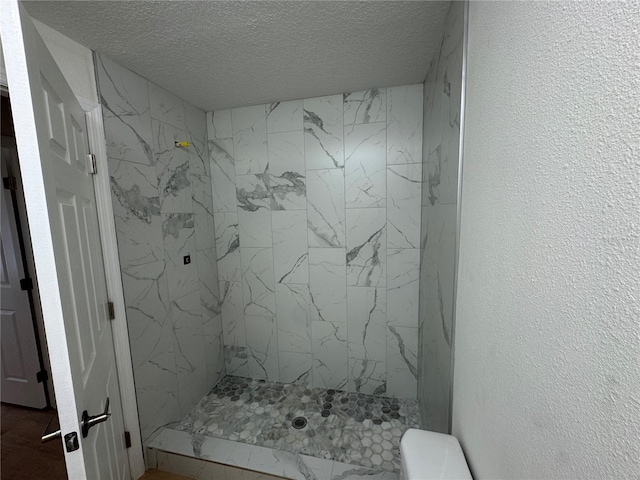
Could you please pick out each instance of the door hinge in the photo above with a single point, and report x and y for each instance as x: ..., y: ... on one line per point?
x: 112, y: 311
x: 42, y: 376
x: 93, y: 166
x: 10, y: 183
x: 127, y: 439
x: 26, y: 284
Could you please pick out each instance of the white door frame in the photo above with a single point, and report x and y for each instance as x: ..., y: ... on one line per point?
x: 97, y: 146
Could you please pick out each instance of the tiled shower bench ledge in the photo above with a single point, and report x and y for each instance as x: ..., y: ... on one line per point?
x: 170, y: 447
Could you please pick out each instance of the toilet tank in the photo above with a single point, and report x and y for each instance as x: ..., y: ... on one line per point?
x: 427, y: 455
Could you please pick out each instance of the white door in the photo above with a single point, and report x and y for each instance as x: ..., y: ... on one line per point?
x: 19, y: 361
x: 59, y: 192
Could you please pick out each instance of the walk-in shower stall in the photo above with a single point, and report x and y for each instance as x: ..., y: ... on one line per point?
x: 288, y: 270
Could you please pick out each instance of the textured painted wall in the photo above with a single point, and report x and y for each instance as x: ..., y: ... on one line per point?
x: 317, y: 214
x: 441, y: 138
x: 547, y: 357
x: 163, y: 212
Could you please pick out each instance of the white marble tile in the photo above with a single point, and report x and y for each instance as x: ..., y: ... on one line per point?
x: 262, y: 347
x: 367, y: 376
x: 284, y: 116
x: 326, y: 208
x: 202, y: 211
x: 166, y: 107
x: 219, y: 124
x: 365, y: 176
x: 290, y: 251
x: 192, y: 386
x: 257, y: 281
x: 189, y: 467
x: 127, y: 118
x: 232, y: 309
x: 228, y: 246
x: 439, y: 232
x: 148, y: 310
x: 255, y: 228
x: 157, y: 392
x: 214, y: 349
x: 196, y: 128
x: 293, y: 320
x: 296, y: 367
x: 252, y: 192
x: 236, y: 361
x: 254, y: 210
x: 404, y: 183
x: 402, y: 360
x: 323, y: 132
x: 438, y: 270
x: 286, y: 153
x: 327, y: 284
x: 403, y: 273
x: 136, y: 208
x: 250, y: 139
x: 189, y: 333
x: 366, y: 247
x: 181, y: 443
x: 172, y: 169
x: 404, y: 124
x: 287, y: 171
x: 345, y: 471
x: 223, y: 175
x: 367, y: 106
x: 367, y: 323
x: 179, y: 241
x: 209, y: 283
x: 329, y: 354
x: 263, y: 461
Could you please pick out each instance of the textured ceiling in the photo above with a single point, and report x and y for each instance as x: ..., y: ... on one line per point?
x: 220, y: 54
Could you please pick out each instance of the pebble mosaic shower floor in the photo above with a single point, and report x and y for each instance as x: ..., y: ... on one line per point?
x: 343, y: 426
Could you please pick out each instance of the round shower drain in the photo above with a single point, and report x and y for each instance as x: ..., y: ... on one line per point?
x: 299, y: 422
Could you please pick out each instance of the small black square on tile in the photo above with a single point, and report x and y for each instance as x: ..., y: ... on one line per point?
x: 187, y: 259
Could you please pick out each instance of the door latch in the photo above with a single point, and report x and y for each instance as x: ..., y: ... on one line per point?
x: 89, y: 421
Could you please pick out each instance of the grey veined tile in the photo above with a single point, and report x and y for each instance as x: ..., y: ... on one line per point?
x: 223, y: 175
x: 172, y: 168
x: 250, y: 140
x: 365, y: 165
x: 323, y: 125
x: 127, y: 118
x: 258, y: 290
x: 179, y: 242
x: 219, y: 125
x: 366, y: 247
x: 284, y: 116
x: 326, y: 208
x: 327, y: 284
x: 290, y: 251
x: 287, y: 171
x: 403, y: 273
x: 367, y: 106
x: 136, y: 208
x: 404, y: 124
x: 404, y: 184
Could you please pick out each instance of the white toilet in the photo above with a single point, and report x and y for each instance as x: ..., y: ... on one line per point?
x: 431, y: 455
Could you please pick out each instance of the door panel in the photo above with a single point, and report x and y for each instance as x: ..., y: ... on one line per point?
x: 19, y: 362
x: 59, y: 190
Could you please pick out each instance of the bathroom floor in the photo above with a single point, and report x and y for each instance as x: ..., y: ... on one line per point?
x: 343, y: 426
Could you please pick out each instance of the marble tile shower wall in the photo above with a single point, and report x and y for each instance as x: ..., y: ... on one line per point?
x: 317, y: 218
x: 442, y: 105
x: 162, y: 204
